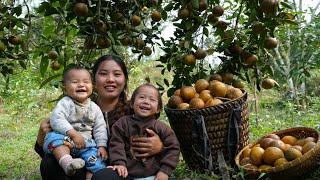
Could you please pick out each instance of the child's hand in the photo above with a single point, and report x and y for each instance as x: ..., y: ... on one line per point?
x: 103, y: 152
x: 77, y: 139
x: 161, y: 176
x: 122, y: 170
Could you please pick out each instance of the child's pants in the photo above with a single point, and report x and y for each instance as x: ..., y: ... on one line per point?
x: 88, y: 154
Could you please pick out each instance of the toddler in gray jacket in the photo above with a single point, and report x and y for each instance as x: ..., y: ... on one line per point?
x: 79, y: 128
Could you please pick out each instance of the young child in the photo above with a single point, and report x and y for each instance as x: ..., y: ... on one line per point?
x: 74, y: 121
x: 146, y: 103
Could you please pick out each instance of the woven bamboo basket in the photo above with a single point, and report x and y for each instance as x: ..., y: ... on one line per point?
x: 216, y: 120
x: 295, y: 169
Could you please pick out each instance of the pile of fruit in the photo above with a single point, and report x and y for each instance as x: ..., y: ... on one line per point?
x: 205, y: 93
x: 273, y: 151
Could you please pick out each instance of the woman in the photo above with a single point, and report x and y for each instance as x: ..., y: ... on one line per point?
x: 111, y: 79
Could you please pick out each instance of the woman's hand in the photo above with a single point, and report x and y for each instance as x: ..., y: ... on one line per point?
x: 43, y: 130
x: 161, y: 176
x: 122, y: 170
x: 147, y: 146
x: 102, y: 152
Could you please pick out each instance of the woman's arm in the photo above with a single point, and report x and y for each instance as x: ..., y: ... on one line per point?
x: 43, y: 130
x: 147, y: 146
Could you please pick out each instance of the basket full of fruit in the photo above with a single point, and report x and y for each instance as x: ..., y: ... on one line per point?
x: 284, y: 154
x: 209, y: 117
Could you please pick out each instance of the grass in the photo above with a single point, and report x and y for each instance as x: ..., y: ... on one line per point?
x: 24, y: 106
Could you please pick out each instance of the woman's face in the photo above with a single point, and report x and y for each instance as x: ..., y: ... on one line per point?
x: 109, y: 80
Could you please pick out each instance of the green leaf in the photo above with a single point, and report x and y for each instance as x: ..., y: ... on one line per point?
x: 168, y: 7
x: 166, y: 82
x: 18, y: 10
x: 44, y: 65
x: 205, y: 31
x: 164, y: 15
x: 286, y: 5
x: 195, y: 4
x: 48, y: 80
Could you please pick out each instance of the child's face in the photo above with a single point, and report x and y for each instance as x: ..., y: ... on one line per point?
x: 146, y: 102
x: 78, y: 85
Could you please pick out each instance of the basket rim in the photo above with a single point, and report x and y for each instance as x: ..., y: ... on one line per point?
x: 227, y: 101
x: 303, y: 158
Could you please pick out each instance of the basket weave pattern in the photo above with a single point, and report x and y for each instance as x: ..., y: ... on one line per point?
x: 293, y: 169
x: 216, y: 120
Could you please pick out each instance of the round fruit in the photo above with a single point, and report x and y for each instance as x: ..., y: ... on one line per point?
x: 267, y: 83
x: 286, y: 147
x: 234, y: 93
x: 15, y: 40
x: 222, y: 25
x: 246, y: 152
x: 245, y: 161
x: 183, y: 13
x: 147, y: 51
x: 101, y: 26
x: 235, y: 49
x: 280, y: 162
x: 53, y: 54
x: 250, y: 59
x: 308, y: 146
x: 103, y: 43
x: 196, y: 103
x: 279, y: 144
x: 271, y: 154
x: 217, y: 77
x: 205, y: 95
x: 55, y: 65
x: 177, y: 92
x: 217, y: 88
x: 135, y: 20
x: 200, y: 54
x: 126, y: 41
x: 227, y: 78
x: 213, y: 102
x: 256, y: 155
x: 139, y: 43
x: 297, y: 147
x: 2, y: 47
x: 289, y: 140
x: 266, y: 142
x: 174, y: 101
x: 190, y: 59
x: 212, y: 19
x: 238, y: 84
x: 270, y: 43
x: 203, y: 5
x: 269, y: 6
x: 156, y: 16
x: 118, y: 17
x: 187, y: 93
x: 310, y: 139
x: 292, y: 154
x: 201, y: 85
x: 273, y: 136
x: 80, y: 9
x: 217, y: 11
x: 257, y: 28
x: 183, y: 106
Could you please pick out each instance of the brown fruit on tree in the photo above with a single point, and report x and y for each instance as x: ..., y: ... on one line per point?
x: 187, y: 93
x: 147, y: 51
x: 55, y: 65
x: 156, y: 16
x: 101, y: 26
x: 189, y: 60
x: 14, y: 40
x: 257, y: 28
x: 80, y: 9
x: 53, y: 54
x: 200, y: 85
x: 222, y: 25
x: 135, y: 20
x: 213, y: 20
x: 139, y: 43
x: 2, y: 47
x: 203, y: 5
x: 269, y: 6
x: 125, y: 41
x: 235, y: 49
x: 103, y: 42
x: 183, y: 13
x: 268, y: 83
x: 196, y: 103
x: 270, y: 43
x: 200, y: 54
x: 217, y: 11
x: 249, y: 60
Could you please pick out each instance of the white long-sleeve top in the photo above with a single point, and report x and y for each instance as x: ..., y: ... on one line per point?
x: 86, y: 119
